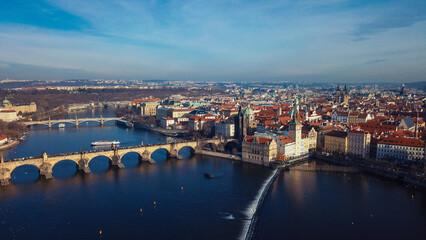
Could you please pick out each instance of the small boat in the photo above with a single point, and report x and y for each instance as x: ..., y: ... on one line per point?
x: 61, y: 125
x: 105, y: 143
x: 208, y: 175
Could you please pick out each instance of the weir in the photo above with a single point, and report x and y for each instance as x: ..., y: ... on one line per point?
x: 252, y: 211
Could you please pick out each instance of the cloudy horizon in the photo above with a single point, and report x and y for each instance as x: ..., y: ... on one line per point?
x: 329, y: 41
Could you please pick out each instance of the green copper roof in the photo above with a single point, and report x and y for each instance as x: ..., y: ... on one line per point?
x: 295, y: 122
x: 248, y: 111
x: 6, y: 102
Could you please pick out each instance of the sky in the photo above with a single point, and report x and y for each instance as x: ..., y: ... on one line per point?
x: 214, y: 40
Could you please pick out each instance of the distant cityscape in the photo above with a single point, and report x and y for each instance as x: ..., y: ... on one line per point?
x: 370, y: 125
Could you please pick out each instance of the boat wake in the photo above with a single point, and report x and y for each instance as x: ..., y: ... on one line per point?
x: 251, y: 211
x: 228, y: 216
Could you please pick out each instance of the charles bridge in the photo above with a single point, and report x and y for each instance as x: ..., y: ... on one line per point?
x: 46, y: 162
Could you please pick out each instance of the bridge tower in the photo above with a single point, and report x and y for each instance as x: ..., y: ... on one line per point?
x: 49, y: 123
x: 102, y: 120
x: 76, y: 121
x: 4, y: 173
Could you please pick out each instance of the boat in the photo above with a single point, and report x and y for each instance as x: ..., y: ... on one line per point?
x: 208, y: 175
x: 105, y: 143
x: 61, y: 125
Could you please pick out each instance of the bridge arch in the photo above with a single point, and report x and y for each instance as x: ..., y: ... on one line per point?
x: 186, y: 152
x: 131, y: 158
x: 232, y: 147
x: 210, y: 146
x: 109, y: 120
x: 99, y: 163
x: 88, y: 121
x: 25, y: 173
x: 37, y: 124
x: 64, y: 168
x: 57, y: 123
x: 160, y: 154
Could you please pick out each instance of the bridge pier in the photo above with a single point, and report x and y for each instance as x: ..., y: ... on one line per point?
x: 4, y: 176
x: 116, y: 161
x: 146, y: 156
x: 46, y: 170
x: 83, y: 165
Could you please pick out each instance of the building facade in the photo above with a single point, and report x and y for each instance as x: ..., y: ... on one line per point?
x: 225, y: 129
x: 8, y: 115
x: 336, y: 142
x: 401, y: 148
x: 359, y: 143
x: 258, y: 150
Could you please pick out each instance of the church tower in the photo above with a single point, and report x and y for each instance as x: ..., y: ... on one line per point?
x: 238, y: 120
x: 248, y: 121
x: 280, y: 111
x: 295, y: 131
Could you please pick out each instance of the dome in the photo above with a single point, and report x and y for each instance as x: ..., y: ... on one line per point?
x: 6, y: 102
x: 248, y: 111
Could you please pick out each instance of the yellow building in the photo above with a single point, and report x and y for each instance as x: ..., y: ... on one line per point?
x: 259, y: 150
x: 149, y: 108
x: 336, y: 142
x: 22, y: 108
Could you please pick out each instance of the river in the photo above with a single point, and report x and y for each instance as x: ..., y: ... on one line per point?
x: 120, y: 202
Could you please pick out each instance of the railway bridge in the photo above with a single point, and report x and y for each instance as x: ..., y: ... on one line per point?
x: 82, y: 159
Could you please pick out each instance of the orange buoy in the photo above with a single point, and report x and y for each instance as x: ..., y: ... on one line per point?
x: 155, y: 202
x: 181, y: 188
x: 100, y: 232
x: 141, y: 209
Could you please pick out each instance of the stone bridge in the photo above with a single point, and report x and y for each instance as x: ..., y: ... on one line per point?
x: 82, y: 159
x: 75, y: 121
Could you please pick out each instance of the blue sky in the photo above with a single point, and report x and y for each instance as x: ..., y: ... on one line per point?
x: 233, y: 40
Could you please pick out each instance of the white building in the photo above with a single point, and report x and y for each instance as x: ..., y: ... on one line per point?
x: 339, y: 116
x: 8, y: 115
x: 166, y: 123
x: 398, y: 147
x: 225, y: 129
x: 359, y: 143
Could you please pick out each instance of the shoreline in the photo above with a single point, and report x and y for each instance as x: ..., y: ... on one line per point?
x: 10, y: 145
x: 399, y: 176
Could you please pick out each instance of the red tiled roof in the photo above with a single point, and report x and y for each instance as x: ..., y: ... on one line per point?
x: 402, y: 141
x: 285, y: 139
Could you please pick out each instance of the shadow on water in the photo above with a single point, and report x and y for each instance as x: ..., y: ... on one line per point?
x: 64, y: 169
x: 186, y: 152
x: 25, y: 174
x: 99, y: 164
x: 68, y: 169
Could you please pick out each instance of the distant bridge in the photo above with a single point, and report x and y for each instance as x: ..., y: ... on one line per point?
x: 76, y: 121
x: 82, y: 159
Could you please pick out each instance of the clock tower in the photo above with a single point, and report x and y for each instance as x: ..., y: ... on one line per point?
x: 295, y: 132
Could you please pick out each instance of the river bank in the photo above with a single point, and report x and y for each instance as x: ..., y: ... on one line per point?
x: 165, y: 132
x: 9, y: 145
x: 402, y: 176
